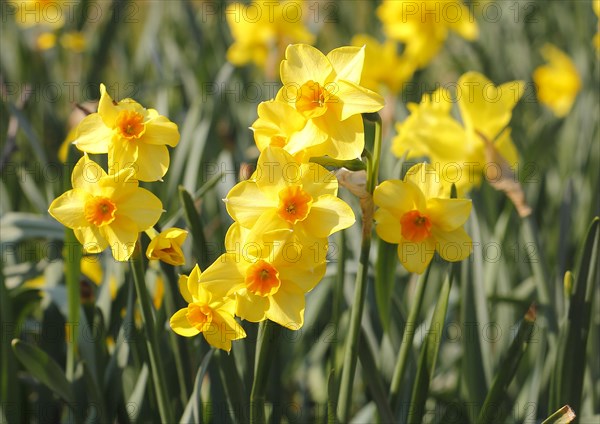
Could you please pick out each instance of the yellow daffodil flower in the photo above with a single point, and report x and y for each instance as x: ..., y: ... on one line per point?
x: 326, y: 91
x: 557, y: 82
x: 106, y: 210
x: 166, y: 246
x: 262, y: 28
x: 130, y: 134
x: 458, y: 151
x: 48, y: 13
x: 206, y: 313
x: 269, y: 280
x: 383, y: 65
x: 283, y: 194
x: 418, y: 215
x: 424, y: 26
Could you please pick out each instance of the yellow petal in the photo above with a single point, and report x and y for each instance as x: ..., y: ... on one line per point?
x: 91, y: 239
x: 183, y: 288
x: 448, y: 214
x: 122, y: 154
x: 107, y: 109
x: 346, y: 139
x: 86, y: 175
x: 180, y: 324
x: 92, y: 135
x: 505, y: 146
x: 347, y: 62
x: 328, y: 215
x: 275, y: 170
x: 225, y: 275
x: 142, y: 207
x: 416, y: 256
x: 318, y: 180
x: 152, y: 162
x: 304, y: 63
x: 245, y: 202
x: 303, y: 267
x: 484, y: 107
x: 453, y: 246
x: 309, y: 137
x: 121, y: 235
x: 68, y: 208
x: 287, y: 307
x: 388, y: 226
x: 251, y: 307
x: 160, y: 131
x: 356, y: 99
x: 398, y: 197
x: 426, y: 178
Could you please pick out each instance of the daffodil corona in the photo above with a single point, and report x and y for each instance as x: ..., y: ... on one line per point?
x: 106, y: 210
x: 131, y: 135
x: 418, y: 215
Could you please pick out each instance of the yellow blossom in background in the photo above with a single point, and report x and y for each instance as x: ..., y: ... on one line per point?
x: 166, y: 246
x: 269, y: 280
x: 206, y: 313
x: 326, y: 91
x: 74, y: 41
x: 106, y: 210
x: 131, y: 135
x: 458, y: 150
x: 264, y: 28
x: 423, y: 26
x: 557, y: 82
x: 45, y: 41
x: 283, y: 194
x: 48, y: 13
x: 418, y: 215
x: 383, y: 65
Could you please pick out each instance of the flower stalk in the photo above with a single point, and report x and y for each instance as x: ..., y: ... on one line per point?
x: 156, y: 365
x: 366, y: 202
x: 265, y: 346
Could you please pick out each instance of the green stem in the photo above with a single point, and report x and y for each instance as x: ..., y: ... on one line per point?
x: 156, y: 366
x: 546, y: 296
x: 267, y: 334
x: 72, y: 274
x: 360, y: 289
x: 407, y: 341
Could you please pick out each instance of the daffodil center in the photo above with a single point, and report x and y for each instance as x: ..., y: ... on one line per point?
x: 294, y: 204
x: 99, y: 211
x: 199, y: 315
x: 312, y: 99
x: 416, y: 227
x: 130, y: 124
x: 262, y: 279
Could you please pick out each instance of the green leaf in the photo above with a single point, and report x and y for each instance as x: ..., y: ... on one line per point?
x: 44, y: 368
x: 506, y: 371
x: 373, y: 379
x: 384, y: 281
x: 429, y: 353
x: 196, y: 228
x: 192, y: 413
x: 567, y: 380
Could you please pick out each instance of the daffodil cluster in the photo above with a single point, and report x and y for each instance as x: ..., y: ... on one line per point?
x: 283, y: 215
x: 110, y: 209
x: 458, y: 149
